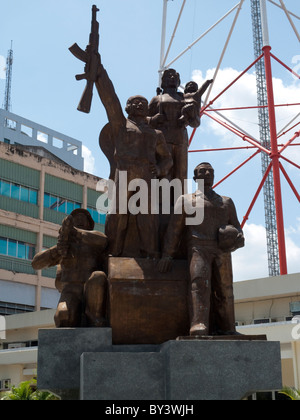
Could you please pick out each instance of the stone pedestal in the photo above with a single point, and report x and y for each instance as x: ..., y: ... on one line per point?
x: 75, y: 362
x: 221, y: 370
x: 59, y: 354
x: 122, y: 376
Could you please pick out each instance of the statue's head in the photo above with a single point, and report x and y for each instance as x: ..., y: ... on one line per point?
x: 191, y: 87
x: 83, y: 219
x: 137, y: 106
x: 205, y: 171
x: 170, y: 79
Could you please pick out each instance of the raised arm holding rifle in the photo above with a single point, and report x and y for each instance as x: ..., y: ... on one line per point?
x: 131, y: 145
x: 91, y: 57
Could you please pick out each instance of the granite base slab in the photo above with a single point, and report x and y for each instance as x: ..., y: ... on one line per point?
x: 59, y: 352
x: 83, y: 364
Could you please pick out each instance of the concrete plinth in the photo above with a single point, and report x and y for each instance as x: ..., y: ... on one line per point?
x: 74, y: 359
x: 122, y: 376
x: 59, y: 354
x: 221, y: 370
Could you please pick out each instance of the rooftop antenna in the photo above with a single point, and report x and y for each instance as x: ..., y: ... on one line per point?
x: 7, y: 95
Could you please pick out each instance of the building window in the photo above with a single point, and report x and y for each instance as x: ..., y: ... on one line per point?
x: 60, y: 204
x: 16, y: 249
x: 18, y: 192
x: 97, y: 217
x: 8, y: 308
x: 5, y: 384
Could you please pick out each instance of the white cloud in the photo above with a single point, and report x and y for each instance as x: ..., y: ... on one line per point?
x: 251, y: 261
x: 293, y: 255
x: 89, y: 160
x: 243, y: 94
x: 2, y: 67
x: 292, y: 245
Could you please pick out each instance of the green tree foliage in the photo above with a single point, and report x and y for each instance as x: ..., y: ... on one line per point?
x: 27, y: 391
x: 292, y: 393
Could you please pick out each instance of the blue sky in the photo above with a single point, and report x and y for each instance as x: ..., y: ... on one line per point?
x: 44, y: 88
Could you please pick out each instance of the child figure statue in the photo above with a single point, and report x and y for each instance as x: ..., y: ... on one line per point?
x: 192, y: 99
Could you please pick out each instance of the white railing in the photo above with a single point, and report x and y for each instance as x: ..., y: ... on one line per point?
x: 16, y: 129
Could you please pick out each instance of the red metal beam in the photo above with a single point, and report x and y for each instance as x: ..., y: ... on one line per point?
x: 237, y: 168
x: 242, y: 108
x: 289, y: 161
x: 232, y: 83
x: 239, y: 133
x: 275, y: 162
x: 289, y: 142
x: 192, y: 136
x: 223, y: 91
x: 285, y: 132
x: 246, y: 217
x: 222, y: 149
x: 284, y: 65
x: 289, y: 181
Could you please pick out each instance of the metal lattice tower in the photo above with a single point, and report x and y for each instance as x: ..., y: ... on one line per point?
x: 264, y: 127
x: 7, y: 95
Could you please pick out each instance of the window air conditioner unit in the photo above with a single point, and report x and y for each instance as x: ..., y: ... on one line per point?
x: 295, y: 308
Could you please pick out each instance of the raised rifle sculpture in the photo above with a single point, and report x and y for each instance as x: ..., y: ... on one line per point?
x: 91, y: 57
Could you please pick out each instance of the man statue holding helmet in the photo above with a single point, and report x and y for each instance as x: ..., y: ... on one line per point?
x: 208, y: 245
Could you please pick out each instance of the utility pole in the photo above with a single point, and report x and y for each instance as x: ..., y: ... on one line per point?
x: 7, y: 95
x: 264, y: 127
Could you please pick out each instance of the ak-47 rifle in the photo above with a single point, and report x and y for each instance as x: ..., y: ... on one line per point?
x: 91, y: 58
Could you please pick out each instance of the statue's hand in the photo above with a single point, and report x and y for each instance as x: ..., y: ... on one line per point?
x: 189, y: 110
x: 63, y: 243
x: 182, y: 122
x: 99, y: 65
x: 165, y: 264
x: 67, y: 223
x: 240, y: 241
x: 157, y: 120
